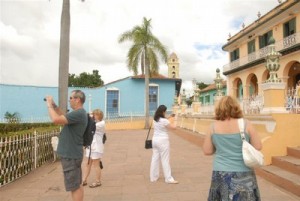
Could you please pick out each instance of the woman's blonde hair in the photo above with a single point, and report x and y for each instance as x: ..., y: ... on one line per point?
x: 99, y: 113
x: 227, y: 108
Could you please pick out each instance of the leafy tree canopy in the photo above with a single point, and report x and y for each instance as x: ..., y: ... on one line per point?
x: 202, y: 85
x: 86, y: 80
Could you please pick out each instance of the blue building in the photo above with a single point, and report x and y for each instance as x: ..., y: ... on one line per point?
x: 121, y: 97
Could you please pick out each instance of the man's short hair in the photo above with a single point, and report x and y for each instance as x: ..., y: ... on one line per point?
x: 79, y: 94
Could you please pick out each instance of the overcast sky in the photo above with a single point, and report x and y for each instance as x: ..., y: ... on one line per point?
x: 194, y: 29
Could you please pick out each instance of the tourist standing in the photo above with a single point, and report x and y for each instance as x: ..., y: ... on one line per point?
x: 231, y: 178
x: 97, y: 149
x: 161, y: 145
x: 70, y: 145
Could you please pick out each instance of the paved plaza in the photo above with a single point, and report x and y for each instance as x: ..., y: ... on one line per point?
x: 126, y: 175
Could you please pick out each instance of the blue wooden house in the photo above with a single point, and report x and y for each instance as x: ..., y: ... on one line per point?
x: 122, y: 97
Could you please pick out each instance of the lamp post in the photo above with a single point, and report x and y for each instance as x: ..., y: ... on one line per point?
x: 196, y: 91
x: 218, y: 83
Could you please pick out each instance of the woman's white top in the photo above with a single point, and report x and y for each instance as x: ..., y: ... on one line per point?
x: 160, y: 128
x: 97, y: 144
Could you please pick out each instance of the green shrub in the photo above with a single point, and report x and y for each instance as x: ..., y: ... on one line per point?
x: 20, y: 128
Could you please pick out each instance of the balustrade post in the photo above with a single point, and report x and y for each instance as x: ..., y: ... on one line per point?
x: 196, y: 104
x: 183, y: 102
x: 35, y: 148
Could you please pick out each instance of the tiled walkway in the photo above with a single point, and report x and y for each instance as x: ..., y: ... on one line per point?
x: 126, y: 175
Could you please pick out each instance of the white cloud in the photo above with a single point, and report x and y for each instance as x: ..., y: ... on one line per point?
x: 195, y: 30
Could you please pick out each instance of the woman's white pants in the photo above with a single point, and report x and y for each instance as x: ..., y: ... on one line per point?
x: 161, y: 152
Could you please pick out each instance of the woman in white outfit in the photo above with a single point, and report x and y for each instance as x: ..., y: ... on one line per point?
x: 161, y: 145
x: 97, y: 149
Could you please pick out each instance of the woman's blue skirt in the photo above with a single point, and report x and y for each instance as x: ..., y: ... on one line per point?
x: 233, y: 186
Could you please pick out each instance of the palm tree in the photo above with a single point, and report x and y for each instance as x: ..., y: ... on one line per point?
x: 12, y: 117
x: 144, y: 49
x: 64, y: 55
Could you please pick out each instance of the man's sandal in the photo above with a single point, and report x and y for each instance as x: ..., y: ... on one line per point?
x: 95, y: 184
x: 84, y: 183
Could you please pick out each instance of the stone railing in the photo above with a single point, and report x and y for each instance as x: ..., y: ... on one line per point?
x: 287, y: 42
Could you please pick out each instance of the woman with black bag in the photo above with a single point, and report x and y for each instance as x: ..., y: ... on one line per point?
x: 161, y: 145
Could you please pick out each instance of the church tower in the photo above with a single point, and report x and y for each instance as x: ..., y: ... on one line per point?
x: 173, y: 66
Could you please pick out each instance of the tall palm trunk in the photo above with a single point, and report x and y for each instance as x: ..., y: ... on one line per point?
x: 143, y: 64
x: 146, y: 90
x: 64, y: 55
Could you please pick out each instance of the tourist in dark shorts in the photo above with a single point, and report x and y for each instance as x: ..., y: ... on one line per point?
x: 70, y: 145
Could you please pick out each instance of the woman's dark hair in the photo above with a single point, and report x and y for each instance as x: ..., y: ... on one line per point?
x: 160, y: 112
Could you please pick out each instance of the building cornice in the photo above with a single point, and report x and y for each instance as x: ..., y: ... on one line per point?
x: 245, y: 33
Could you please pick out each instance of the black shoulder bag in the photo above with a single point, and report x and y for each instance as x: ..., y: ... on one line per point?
x: 148, y: 143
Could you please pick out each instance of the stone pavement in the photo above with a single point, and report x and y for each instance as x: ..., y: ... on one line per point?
x: 126, y: 175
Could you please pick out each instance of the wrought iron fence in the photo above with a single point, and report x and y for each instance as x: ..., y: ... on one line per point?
x: 292, y: 100
x: 21, y: 154
x: 253, y: 104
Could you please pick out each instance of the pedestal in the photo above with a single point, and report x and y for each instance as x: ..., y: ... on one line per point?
x: 183, y: 108
x: 175, y: 109
x: 274, y: 98
x: 196, y: 107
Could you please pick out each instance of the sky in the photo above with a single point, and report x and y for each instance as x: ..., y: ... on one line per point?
x: 195, y: 30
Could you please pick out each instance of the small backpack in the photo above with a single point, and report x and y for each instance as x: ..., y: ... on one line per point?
x: 89, y: 133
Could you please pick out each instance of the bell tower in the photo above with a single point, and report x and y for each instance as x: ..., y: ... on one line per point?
x: 173, y: 66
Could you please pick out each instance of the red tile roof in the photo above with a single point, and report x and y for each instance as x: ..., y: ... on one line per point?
x: 213, y: 86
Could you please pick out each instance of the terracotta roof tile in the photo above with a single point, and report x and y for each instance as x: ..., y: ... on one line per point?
x: 213, y: 86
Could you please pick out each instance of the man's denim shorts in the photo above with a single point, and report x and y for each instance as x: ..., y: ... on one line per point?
x: 72, y: 173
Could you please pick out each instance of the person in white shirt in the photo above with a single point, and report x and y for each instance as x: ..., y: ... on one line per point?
x: 97, y: 149
x: 161, y: 145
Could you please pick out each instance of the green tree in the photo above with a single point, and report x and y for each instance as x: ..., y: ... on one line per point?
x: 86, y: 80
x: 144, y: 51
x: 12, y: 117
x: 202, y: 85
x: 189, y: 101
x: 64, y: 55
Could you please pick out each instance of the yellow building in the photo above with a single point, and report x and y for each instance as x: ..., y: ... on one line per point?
x: 263, y: 72
x: 247, y: 50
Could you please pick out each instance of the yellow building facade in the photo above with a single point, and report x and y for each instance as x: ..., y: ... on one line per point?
x: 251, y: 51
x: 247, y: 50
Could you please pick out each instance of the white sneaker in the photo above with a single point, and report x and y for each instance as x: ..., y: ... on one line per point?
x: 172, y: 182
